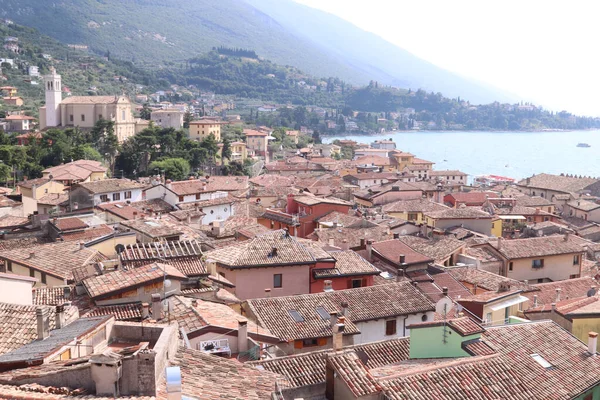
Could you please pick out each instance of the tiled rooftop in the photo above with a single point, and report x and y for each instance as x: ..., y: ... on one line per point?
x: 155, y: 228
x: 366, y: 303
x: 347, y: 263
x: 206, y: 376
x: 259, y: 251
x: 392, y: 249
x: 69, y: 224
x: 18, y: 325
x: 459, y: 213
x: 110, y: 185
x: 354, y: 373
x: 186, y: 256
x: 484, y: 279
x: 57, y: 259
x: 437, y: 249
x: 537, y: 247
x: 557, y: 183
x: 114, y: 282
x: 569, y: 289
x: 418, y: 205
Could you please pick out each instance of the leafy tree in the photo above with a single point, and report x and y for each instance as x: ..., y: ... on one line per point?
x: 145, y: 112
x: 226, y: 150
x: 211, y: 146
x: 187, y: 118
x: 176, y: 169
x: 234, y: 168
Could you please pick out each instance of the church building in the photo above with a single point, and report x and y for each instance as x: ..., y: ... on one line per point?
x: 84, y: 111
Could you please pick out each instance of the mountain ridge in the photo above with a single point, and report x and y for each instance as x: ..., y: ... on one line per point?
x: 152, y: 32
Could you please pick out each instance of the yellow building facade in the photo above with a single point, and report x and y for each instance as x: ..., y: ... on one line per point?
x: 201, y: 129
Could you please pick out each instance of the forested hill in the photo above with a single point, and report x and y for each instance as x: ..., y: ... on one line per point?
x: 153, y: 32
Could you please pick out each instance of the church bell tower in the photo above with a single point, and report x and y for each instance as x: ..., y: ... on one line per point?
x: 53, y: 88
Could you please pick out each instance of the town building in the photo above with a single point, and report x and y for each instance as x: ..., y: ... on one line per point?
x: 470, y: 218
x: 449, y: 177
x: 204, y: 127
x: 86, y: 195
x: 258, y: 142
x: 412, y: 210
x: 551, y: 187
x: 169, y: 118
x: 77, y: 172
x: 84, y: 111
x: 34, y: 190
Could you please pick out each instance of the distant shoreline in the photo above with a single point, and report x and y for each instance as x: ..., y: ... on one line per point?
x: 450, y: 131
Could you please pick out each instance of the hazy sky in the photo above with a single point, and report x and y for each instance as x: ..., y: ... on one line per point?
x: 543, y: 51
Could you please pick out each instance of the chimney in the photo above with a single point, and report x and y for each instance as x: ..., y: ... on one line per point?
x: 106, y: 372
x: 327, y: 287
x: 445, y: 291
x: 242, y: 336
x: 194, y: 302
x: 369, y: 250
x: 331, y: 242
x: 31, y: 254
x: 333, y: 318
x: 526, y: 282
x: 345, y: 308
x: 402, y: 259
x: 211, y: 267
x: 499, y: 245
x: 396, y: 236
x: 81, y: 245
x: 145, y: 310
x: 557, y: 295
x: 173, y: 381
x: 43, y: 323
x: 566, y: 237
x: 362, y: 243
x: 338, y: 334
x: 475, y: 288
x: 169, y: 184
x: 189, y: 219
x: 60, y: 317
x: 592, y: 342
x: 535, y: 301
x: 135, y: 215
x: 553, y: 307
x: 345, y: 245
x: 267, y: 293
x: 157, y: 307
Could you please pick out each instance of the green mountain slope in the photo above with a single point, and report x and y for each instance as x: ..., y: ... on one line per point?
x: 152, y: 32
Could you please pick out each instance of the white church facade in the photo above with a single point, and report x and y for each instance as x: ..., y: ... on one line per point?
x: 84, y: 111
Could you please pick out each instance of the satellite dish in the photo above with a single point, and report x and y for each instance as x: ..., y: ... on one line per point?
x: 443, y: 306
x: 167, y: 283
x: 362, y: 356
x: 540, y: 233
x: 119, y: 248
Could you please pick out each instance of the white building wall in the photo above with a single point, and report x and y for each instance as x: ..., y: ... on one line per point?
x: 374, y: 330
x: 15, y: 291
x: 136, y: 195
x: 221, y: 211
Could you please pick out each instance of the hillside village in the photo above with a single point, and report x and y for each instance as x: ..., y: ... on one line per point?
x: 279, y: 267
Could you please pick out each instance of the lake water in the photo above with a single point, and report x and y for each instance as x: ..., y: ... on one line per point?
x: 513, y: 154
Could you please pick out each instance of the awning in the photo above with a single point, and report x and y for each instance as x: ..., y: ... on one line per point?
x: 508, y: 302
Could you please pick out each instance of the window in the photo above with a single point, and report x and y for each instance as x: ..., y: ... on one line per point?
x: 180, y: 198
x: 488, y: 317
x: 9, y: 266
x: 576, y: 259
x: 31, y: 272
x: 510, y: 266
x: 71, y: 118
x: 413, y: 216
x: 225, y: 209
x: 116, y: 196
x: 575, y: 276
x: 296, y: 315
x: 541, y: 360
x: 424, y: 318
x: 277, y: 280
x: 128, y: 195
x: 123, y: 115
x: 45, y: 190
x: 325, y: 316
x: 212, y: 211
x: 539, y: 263
x: 310, y: 342
x: 356, y: 283
x: 197, y: 196
x: 82, y: 117
x: 390, y: 327
x: 43, y: 277
x: 103, y: 198
x: 100, y: 116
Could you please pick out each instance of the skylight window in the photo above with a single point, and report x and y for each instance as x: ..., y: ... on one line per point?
x: 154, y: 224
x: 296, y: 315
x: 541, y: 360
x: 323, y: 313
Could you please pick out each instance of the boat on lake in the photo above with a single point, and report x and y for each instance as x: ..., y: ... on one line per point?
x: 583, y: 145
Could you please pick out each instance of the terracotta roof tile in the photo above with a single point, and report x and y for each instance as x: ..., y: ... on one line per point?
x: 557, y: 183
x: 366, y: 303
x: 537, y: 247
x: 438, y: 249
x: 116, y: 281
x: 353, y: 372
x: 418, y: 205
x: 110, y: 185
x: 391, y: 250
x: 185, y: 256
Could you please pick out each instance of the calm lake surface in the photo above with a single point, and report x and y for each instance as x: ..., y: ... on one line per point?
x: 513, y: 154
